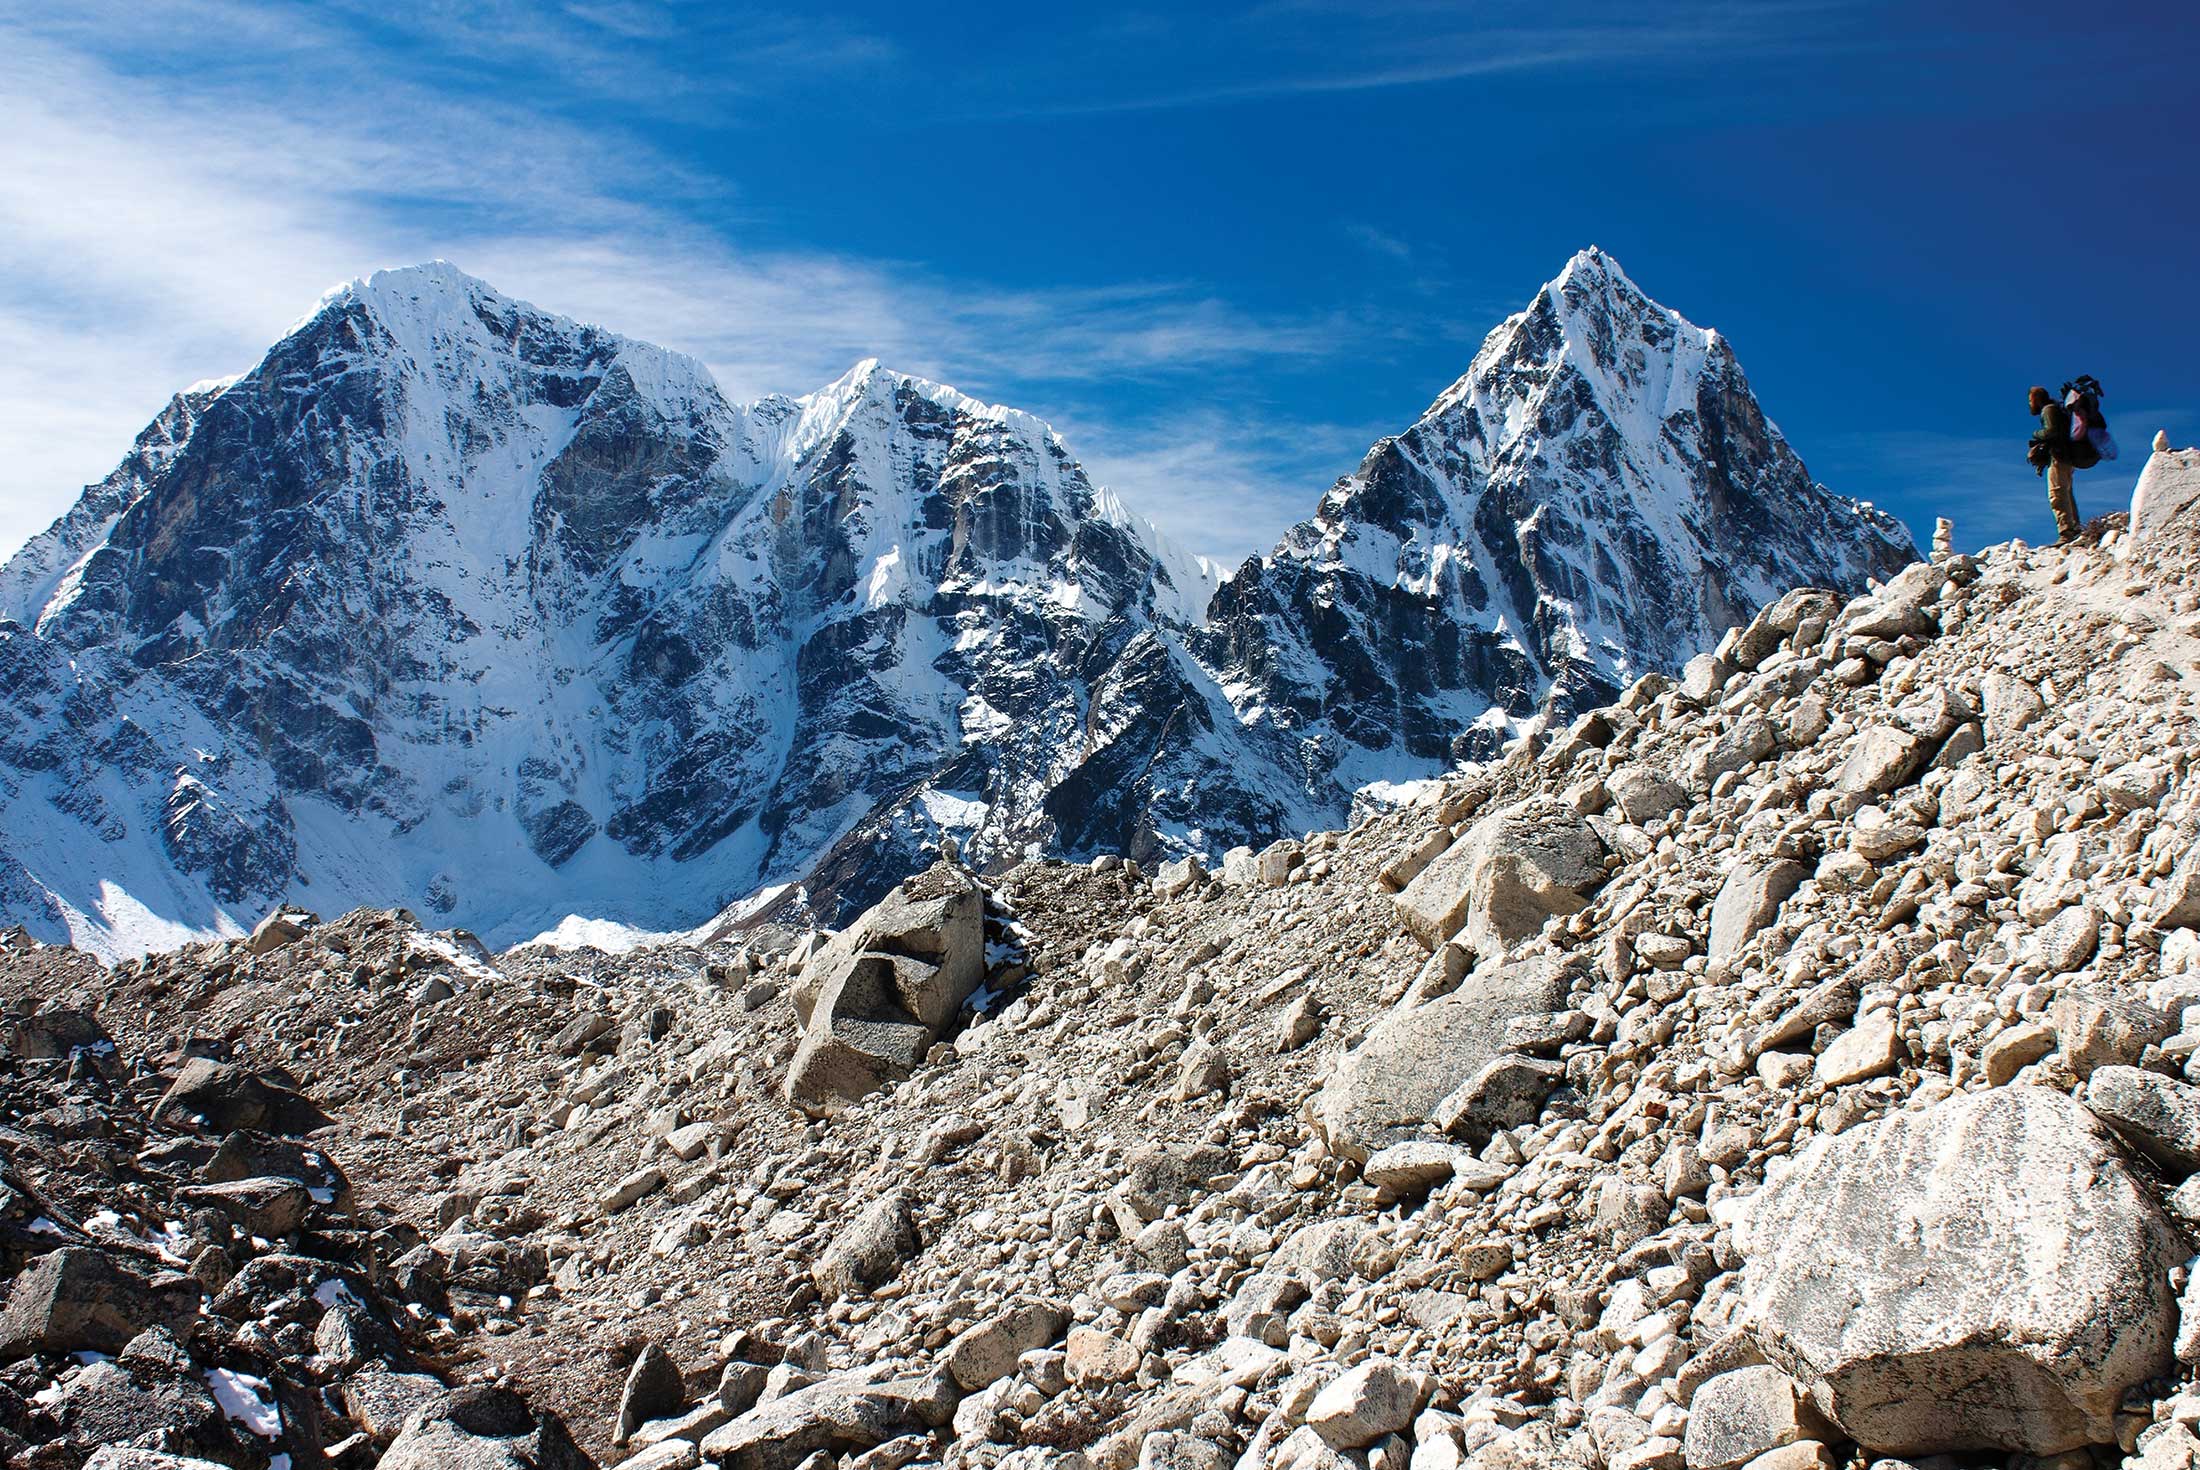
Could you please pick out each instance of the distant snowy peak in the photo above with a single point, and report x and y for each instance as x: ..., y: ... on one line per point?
x: 1599, y: 496
x: 1597, y: 407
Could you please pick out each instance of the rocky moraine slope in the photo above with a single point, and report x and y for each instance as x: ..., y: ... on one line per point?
x: 455, y: 603
x: 1789, y: 1064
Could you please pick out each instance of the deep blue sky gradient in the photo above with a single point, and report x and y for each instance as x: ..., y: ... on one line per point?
x: 1227, y: 247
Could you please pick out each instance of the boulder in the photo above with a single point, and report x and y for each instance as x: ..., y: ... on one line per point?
x: 264, y: 1207
x: 226, y: 1097
x: 379, y: 1402
x: 987, y: 1352
x: 1097, y: 1359
x: 2164, y: 496
x: 936, y: 918
x: 1881, y: 759
x: 2160, y: 1116
x: 1740, y: 745
x: 654, y: 1390
x: 1984, y: 1274
x: 1506, y: 1092
x: 483, y: 1428
x: 1643, y: 795
x: 2011, y: 704
x: 1898, y: 609
x: 1505, y: 879
x: 80, y: 1300
x: 54, y: 1032
x: 279, y: 929
x: 248, y: 1155
x: 1869, y: 1048
x: 844, y: 1414
x: 1385, y: 1089
x: 1412, y: 1169
x: 1367, y: 1402
x: 874, y: 998
x: 869, y: 1250
x: 1749, y: 901
x: 2099, y: 1027
x: 1738, y: 1416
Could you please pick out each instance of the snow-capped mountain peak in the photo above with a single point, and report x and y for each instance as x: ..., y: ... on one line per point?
x: 1597, y: 497
x: 455, y: 602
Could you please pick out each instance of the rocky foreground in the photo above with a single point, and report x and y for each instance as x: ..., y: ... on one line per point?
x: 1784, y: 1067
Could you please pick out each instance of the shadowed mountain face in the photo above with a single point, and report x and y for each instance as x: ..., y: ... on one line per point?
x: 456, y: 603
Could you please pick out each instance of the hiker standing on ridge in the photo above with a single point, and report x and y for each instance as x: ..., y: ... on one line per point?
x: 2072, y: 436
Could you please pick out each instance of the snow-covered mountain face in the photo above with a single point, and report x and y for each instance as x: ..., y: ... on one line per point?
x: 1598, y: 497
x: 455, y: 603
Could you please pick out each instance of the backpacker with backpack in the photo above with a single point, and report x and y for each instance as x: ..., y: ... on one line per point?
x: 2082, y: 396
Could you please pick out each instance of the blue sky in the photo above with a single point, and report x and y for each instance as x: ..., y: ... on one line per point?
x: 1221, y: 248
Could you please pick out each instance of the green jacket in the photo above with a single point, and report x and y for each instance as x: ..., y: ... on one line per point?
x: 2054, y: 434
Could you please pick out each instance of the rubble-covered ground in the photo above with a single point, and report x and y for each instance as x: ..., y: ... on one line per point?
x: 1785, y: 1067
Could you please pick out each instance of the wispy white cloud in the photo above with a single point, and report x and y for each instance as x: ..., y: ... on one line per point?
x: 1303, y: 48
x: 158, y: 229
x: 1216, y: 481
x: 1379, y: 241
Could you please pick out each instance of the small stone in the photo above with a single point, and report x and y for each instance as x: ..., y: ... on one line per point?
x: 1738, y: 1416
x: 1872, y: 1047
x: 1098, y: 1359
x: 2013, y: 1050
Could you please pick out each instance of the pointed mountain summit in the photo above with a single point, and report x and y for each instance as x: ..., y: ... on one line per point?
x: 1599, y: 496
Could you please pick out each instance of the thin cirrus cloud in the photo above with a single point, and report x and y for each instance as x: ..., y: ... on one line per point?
x: 1298, y: 48
x: 155, y: 231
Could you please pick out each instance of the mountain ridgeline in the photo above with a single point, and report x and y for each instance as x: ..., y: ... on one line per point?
x: 455, y: 603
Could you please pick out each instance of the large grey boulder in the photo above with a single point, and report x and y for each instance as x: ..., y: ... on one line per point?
x: 81, y: 1300
x: 1741, y: 744
x: 845, y: 1414
x: 878, y: 994
x: 1748, y: 1412
x: 483, y: 1428
x: 1983, y: 1274
x: 985, y: 1353
x: 1643, y: 795
x: 226, y: 1097
x: 936, y: 919
x: 1500, y: 883
x: 1385, y: 1090
x: 1881, y: 759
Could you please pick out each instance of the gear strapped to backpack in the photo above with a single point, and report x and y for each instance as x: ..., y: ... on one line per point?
x: 2082, y: 395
